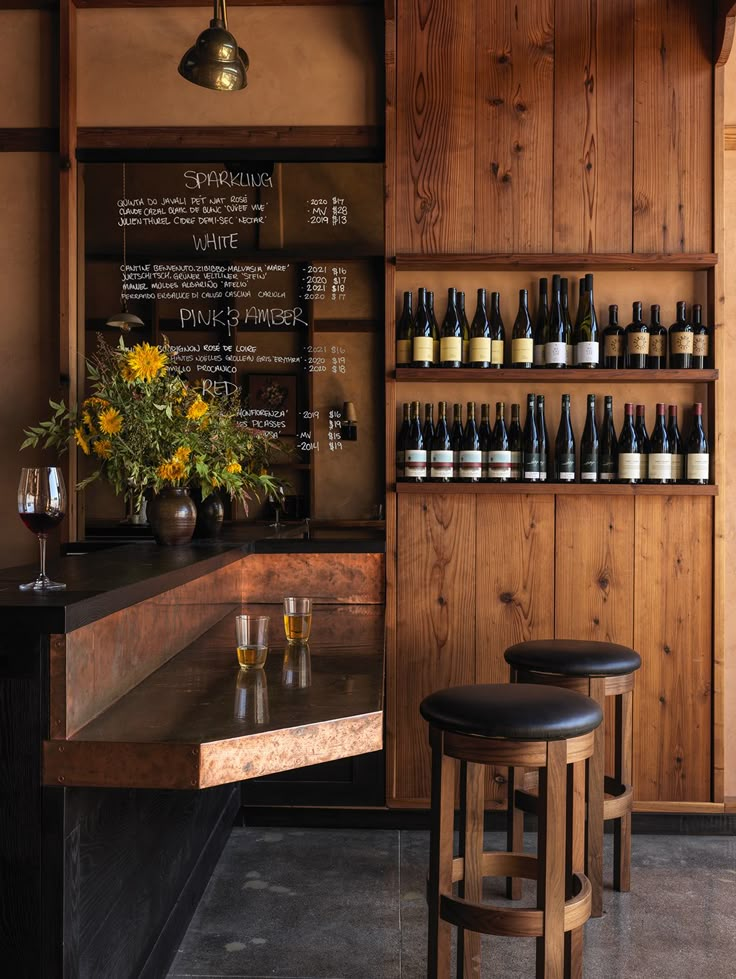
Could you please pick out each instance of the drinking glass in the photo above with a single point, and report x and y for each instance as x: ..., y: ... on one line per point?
x: 251, y: 697
x: 297, y: 619
x: 252, y: 635
x: 41, y: 506
x: 296, y: 669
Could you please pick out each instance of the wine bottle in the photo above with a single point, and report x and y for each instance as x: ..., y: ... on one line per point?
x: 701, y: 340
x: 555, y: 349
x: 415, y: 453
x: 451, y: 334
x: 642, y: 437
x: 565, y: 298
x: 498, y: 331
x: 543, y: 439
x: 499, y: 461
x: 587, y: 348
x: 471, y: 465
x: 657, y: 357
x: 531, y: 458
x: 637, y: 341
x: 681, y: 340
x: 589, y: 446
x: 479, y: 350
x: 697, y: 458
x: 456, y: 439
x: 422, y: 342
x: 435, y: 329
x: 541, y: 324
x: 675, y: 443
x: 660, y: 460
x: 484, y: 437
x: 628, y: 448
x: 522, y: 335
x: 441, y: 461
x: 465, y: 326
x: 608, y: 445
x: 515, y: 443
x: 405, y: 333
x: 401, y: 444
x: 578, y: 322
x: 564, y: 458
x: 428, y: 427
x: 613, y: 341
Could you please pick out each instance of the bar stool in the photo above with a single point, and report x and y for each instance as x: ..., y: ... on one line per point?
x: 599, y: 670
x: 527, y: 725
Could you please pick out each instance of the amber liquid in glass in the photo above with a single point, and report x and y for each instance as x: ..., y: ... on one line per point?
x: 298, y: 626
x: 252, y: 657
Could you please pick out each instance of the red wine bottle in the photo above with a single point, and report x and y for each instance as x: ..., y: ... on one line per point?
x: 608, y: 445
x: 464, y: 325
x: 405, y: 333
x: 701, y: 340
x: 423, y: 338
x: 415, y: 453
x: 499, y: 457
x: 589, y: 445
x: 564, y: 458
x: 637, y: 341
x: 498, y: 332
x: 471, y: 463
x: 522, y: 336
x: 479, y: 348
x: 643, y: 439
x: 657, y: 341
x: 531, y: 462
x: 440, y: 456
x: 614, y: 340
x: 675, y: 442
x: 660, y: 459
x: 697, y: 459
x: 540, y: 325
x: 484, y: 436
x: 515, y: 443
x: 565, y: 298
x: 628, y: 448
x: 681, y: 340
x: 401, y: 444
x: 451, y: 334
x: 456, y: 439
x: 555, y: 349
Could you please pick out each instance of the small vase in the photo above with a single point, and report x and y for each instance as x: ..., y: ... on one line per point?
x: 172, y: 515
x: 210, y: 513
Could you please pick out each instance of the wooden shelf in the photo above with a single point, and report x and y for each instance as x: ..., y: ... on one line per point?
x: 557, y: 489
x: 537, y: 262
x: 539, y: 374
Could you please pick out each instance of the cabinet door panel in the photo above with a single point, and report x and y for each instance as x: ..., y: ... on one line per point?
x: 673, y: 632
x: 435, y: 645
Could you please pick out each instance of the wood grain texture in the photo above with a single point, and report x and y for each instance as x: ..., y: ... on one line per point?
x: 514, y: 122
x: 435, y: 125
x: 593, y: 125
x: 356, y: 579
x: 436, y: 623
x: 608, y: 261
x: 673, y: 120
x: 673, y: 633
x: 369, y: 138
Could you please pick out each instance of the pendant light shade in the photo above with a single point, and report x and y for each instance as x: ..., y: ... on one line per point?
x: 215, y: 61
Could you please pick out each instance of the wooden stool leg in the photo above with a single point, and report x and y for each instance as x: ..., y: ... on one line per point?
x: 471, y: 850
x: 575, y: 863
x: 624, y: 776
x: 596, y: 798
x: 514, y: 831
x: 440, y: 857
x: 551, y: 849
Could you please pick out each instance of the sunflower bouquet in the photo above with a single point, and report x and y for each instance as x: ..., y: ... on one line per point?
x: 145, y: 427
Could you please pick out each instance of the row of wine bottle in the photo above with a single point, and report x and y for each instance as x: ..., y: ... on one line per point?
x: 474, y: 452
x: 553, y: 340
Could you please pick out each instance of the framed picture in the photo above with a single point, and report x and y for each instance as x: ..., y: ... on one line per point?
x: 272, y: 402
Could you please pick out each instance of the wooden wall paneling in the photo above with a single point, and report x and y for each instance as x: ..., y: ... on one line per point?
x: 673, y: 119
x: 435, y: 628
x: 435, y: 125
x: 673, y: 633
x: 593, y: 126
x: 514, y: 589
x: 514, y: 51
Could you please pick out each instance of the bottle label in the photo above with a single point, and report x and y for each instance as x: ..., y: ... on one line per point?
x: 435, y: 351
x: 643, y: 465
x: 628, y: 465
x: 479, y: 350
x: 681, y: 343
x: 485, y: 464
x: 656, y: 346
x: 441, y: 463
x: 566, y: 468
x: 415, y: 463
x: 677, y: 466
x: 555, y: 353
x: 471, y: 464
x: 422, y: 349
x: 588, y: 352
x: 497, y: 352
x: 499, y: 464
x: 698, y: 465
x: 451, y: 348
x: 466, y: 351
x: 606, y: 469
x: 569, y: 355
x: 606, y: 477
x: 700, y: 345
x: 589, y: 469
x: 638, y: 343
x: 403, y: 352
x: 516, y: 465
x: 613, y: 346
x: 660, y: 465
x: 532, y: 465
x: 522, y: 350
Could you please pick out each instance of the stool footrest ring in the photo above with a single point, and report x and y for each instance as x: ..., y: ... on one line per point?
x: 500, y: 864
x: 619, y: 798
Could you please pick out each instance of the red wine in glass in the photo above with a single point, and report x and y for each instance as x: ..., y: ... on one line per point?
x: 41, y: 506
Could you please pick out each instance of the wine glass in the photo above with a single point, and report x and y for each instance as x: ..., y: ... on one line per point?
x: 41, y: 506
x: 277, y: 502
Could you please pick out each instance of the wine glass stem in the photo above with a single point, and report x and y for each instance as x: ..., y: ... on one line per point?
x: 42, y: 548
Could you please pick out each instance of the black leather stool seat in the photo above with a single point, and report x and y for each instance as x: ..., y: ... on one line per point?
x: 517, y: 712
x: 573, y: 657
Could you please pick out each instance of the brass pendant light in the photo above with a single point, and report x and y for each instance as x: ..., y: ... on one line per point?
x: 124, y: 320
x: 215, y: 61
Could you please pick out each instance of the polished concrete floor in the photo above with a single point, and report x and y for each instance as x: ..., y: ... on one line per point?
x: 349, y: 904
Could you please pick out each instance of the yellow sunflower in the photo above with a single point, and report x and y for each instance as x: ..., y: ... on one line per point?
x: 88, y: 421
x: 234, y: 467
x: 164, y: 472
x: 196, y: 409
x: 103, y: 448
x: 182, y: 454
x: 146, y: 362
x: 81, y: 440
x: 177, y: 469
x: 127, y: 372
x: 110, y: 421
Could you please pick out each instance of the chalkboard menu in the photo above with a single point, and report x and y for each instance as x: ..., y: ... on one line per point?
x: 267, y: 279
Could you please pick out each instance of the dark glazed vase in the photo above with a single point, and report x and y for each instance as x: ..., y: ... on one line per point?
x: 210, y: 514
x: 172, y: 515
